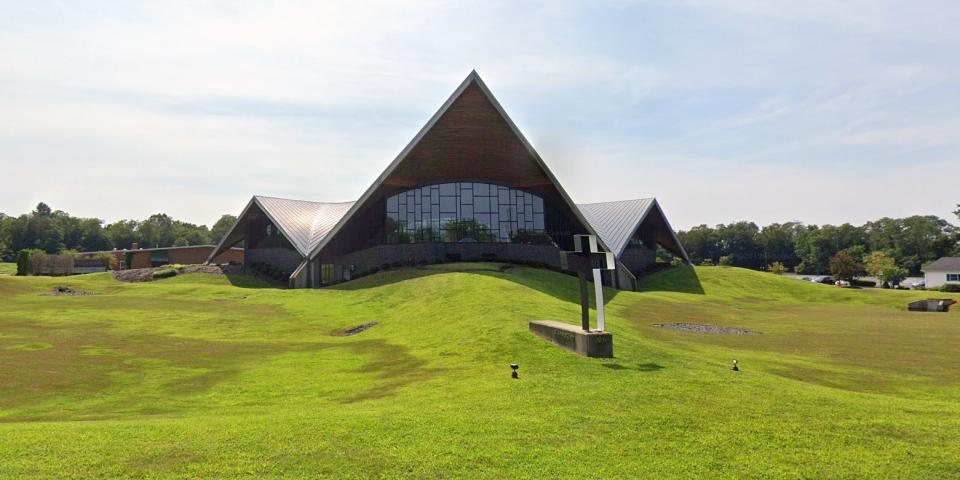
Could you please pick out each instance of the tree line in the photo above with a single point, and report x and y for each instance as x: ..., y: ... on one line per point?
x: 55, y: 231
x: 910, y: 242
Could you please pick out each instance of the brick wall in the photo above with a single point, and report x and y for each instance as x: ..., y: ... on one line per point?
x: 195, y: 255
x: 181, y: 255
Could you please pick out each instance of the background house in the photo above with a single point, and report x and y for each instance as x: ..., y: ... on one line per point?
x: 941, y: 271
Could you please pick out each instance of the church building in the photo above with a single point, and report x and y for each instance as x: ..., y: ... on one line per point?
x: 467, y: 187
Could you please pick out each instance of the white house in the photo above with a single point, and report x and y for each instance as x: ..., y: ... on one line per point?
x: 943, y: 270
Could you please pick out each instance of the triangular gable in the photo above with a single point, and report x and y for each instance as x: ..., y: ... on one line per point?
x: 617, y: 222
x: 466, y: 152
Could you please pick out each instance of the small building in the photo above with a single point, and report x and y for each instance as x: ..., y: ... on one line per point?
x: 136, y: 257
x: 942, y: 271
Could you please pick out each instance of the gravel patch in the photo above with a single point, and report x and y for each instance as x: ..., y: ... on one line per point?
x: 696, y: 327
x: 146, y: 274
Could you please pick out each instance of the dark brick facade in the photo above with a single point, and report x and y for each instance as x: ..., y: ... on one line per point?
x: 286, y: 259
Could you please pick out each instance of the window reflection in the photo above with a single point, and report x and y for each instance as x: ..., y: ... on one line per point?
x: 465, y: 212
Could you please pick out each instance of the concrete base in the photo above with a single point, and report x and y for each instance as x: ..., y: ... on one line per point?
x: 573, y: 338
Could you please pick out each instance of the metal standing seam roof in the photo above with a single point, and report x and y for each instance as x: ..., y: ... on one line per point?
x: 304, y: 223
x: 615, y: 222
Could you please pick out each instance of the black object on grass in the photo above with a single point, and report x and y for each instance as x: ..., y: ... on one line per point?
x: 515, y: 367
x: 735, y: 367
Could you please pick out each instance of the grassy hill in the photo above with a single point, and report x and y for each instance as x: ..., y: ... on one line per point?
x: 210, y: 376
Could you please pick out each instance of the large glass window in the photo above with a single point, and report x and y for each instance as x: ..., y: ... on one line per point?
x: 465, y: 212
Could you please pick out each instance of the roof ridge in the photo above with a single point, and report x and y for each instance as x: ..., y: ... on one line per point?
x: 308, y: 201
x: 618, y: 201
x: 318, y: 217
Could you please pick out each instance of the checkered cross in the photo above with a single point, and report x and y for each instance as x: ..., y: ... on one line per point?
x: 586, y: 258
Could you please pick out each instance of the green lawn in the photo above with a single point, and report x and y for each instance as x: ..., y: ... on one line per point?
x: 204, y: 376
x: 8, y: 268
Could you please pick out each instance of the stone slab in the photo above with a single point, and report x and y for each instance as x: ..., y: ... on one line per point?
x: 572, y: 337
x: 931, y: 305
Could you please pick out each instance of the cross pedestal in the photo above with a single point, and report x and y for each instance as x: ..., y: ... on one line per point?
x: 585, y: 259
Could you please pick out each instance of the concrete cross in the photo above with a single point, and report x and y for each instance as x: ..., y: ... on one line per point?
x: 586, y: 258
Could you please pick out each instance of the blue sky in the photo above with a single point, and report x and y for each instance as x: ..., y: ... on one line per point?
x: 817, y: 111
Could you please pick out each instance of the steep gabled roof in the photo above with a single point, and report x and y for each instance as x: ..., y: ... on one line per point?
x: 302, y: 222
x: 468, y: 86
x: 616, y: 222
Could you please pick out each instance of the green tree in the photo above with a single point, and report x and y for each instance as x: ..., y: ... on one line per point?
x: 221, y: 227
x: 122, y: 234
x: 157, y: 231
x: 739, y: 242
x: 884, y: 267
x: 845, y: 267
x: 778, y: 243
x: 814, y: 250
x: 701, y: 244
x: 42, y: 209
x: 190, y: 234
x: 5, y: 241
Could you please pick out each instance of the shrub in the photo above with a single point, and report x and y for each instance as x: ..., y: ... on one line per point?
x: 706, y: 263
x: 776, y: 268
x: 109, y: 260
x: 24, y: 262
x: 726, y: 261
x: 950, y: 287
x: 165, y: 273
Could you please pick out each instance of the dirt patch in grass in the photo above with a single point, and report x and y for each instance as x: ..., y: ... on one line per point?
x: 393, y: 365
x: 92, y: 361
x: 696, y: 327
x: 355, y: 330
x: 68, y: 292
x: 146, y: 274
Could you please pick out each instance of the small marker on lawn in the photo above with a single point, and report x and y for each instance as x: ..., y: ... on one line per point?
x: 735, y: 367
x: 515, y: 367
